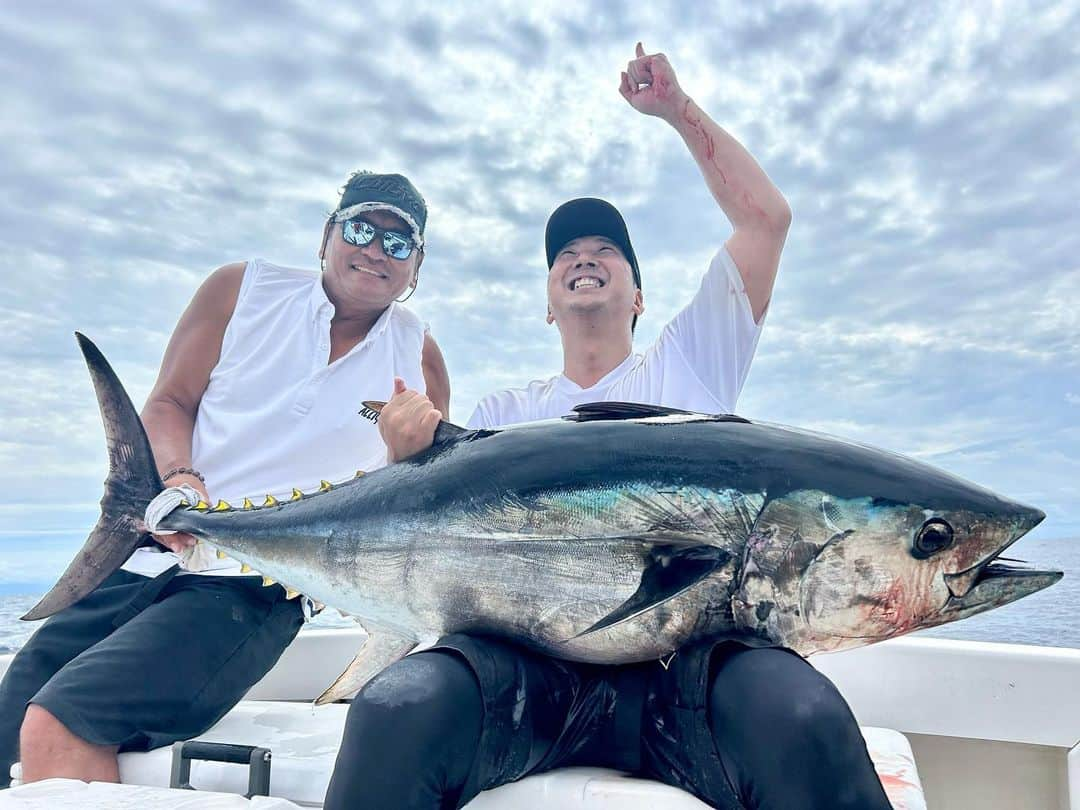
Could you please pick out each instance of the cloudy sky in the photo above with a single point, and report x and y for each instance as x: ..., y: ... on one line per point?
x: 928, y: 296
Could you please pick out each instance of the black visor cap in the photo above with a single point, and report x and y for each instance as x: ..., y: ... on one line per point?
x: 589, y: 216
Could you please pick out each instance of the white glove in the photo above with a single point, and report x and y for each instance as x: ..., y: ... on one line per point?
x: 198, y: 557
x: 167, y: 501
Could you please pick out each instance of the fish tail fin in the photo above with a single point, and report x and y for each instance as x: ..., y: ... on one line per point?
x: 132, y: 483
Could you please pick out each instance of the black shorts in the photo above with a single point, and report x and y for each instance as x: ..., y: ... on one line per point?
x: 141, y: 663
x: 649, y: 719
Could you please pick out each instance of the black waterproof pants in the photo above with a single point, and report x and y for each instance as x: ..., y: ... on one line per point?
x: 738, y: 727
x: 140, y: 663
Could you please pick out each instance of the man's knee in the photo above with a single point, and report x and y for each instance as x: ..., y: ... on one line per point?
x: 39, y: 725
x: 786, y: 736
x: 411, y: 735
x: 42, y: 734
x: 429, y: 695
x: 771, y: 688
x: 816, y: 713
x: 48, y: 748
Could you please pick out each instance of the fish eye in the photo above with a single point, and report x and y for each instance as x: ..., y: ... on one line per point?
x: 935, y: 535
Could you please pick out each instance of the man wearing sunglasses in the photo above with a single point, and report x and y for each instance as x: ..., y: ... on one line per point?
x: 736, y: 726
x: 259, y: 392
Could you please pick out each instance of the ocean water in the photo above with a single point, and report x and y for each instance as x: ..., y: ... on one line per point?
x: 1048, y: 618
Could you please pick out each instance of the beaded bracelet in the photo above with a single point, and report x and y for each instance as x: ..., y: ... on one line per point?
x: 182, y: 471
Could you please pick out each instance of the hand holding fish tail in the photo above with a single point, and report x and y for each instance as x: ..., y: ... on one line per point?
x: 649, y: 85
x: 191, y: 491
x: 407, y: 422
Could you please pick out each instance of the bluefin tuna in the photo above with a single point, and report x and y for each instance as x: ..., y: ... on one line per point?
x: 614, y: 535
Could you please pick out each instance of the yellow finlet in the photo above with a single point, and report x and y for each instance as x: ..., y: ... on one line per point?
x: 222, y: 506
x: 267, y: 582
x: 245, y: 568
x: 221, y: 555
x: 248, y: 504
x: 270, y: 501
x: 297, y: 494
x: 325, y: 486
x: 359, y: 473
x: 291, y: 594
x: 201, y: 506
x: 184, y: 503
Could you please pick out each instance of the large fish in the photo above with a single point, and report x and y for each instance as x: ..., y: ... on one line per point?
x: 615, y: 535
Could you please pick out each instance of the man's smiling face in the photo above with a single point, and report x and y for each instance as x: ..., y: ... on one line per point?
x: 365, y: 273
x: 591, y: 274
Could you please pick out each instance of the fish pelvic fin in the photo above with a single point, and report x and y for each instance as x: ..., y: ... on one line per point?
x: 672, y: 569
x: 381, y: 649
x: 132, y: 483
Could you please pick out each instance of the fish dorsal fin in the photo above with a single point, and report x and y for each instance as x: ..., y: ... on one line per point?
x: 596, y: 411
x: 445, y: 432
x: 615, y: 411
x: 672, y: 569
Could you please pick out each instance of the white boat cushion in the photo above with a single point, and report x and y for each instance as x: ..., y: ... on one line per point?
x: 600, y: 789
x: 303, y: 741
x: 71, y: 794
x: 895, y: 765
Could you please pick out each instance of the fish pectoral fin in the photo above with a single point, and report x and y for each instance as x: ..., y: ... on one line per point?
x: 381, y: 649
x: 671, y: 571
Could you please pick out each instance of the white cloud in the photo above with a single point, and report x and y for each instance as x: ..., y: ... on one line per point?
x: 928, y: 297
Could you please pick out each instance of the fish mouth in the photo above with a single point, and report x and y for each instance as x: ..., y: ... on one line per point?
x: 998, y: 580
x: 999, y: 583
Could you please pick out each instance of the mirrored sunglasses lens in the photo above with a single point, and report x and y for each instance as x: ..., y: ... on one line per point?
x: 397, y: 247
x: 357, y: 232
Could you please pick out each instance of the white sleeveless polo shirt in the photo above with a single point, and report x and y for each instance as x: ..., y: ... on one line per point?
x: 275, y: 414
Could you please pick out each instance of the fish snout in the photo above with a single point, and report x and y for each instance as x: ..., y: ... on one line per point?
x: 1019, y: 521
x: 1029, y: 518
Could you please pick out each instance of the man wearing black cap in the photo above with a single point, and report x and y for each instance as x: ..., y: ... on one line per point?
x: 259, y: 392
x: 736, y: 726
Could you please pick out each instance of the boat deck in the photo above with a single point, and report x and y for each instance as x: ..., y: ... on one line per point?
x: 992, y: 726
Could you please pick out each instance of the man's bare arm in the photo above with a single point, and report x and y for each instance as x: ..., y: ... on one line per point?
x: 192, y: 353
x: 436, y: 377
x: 757, y: 210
